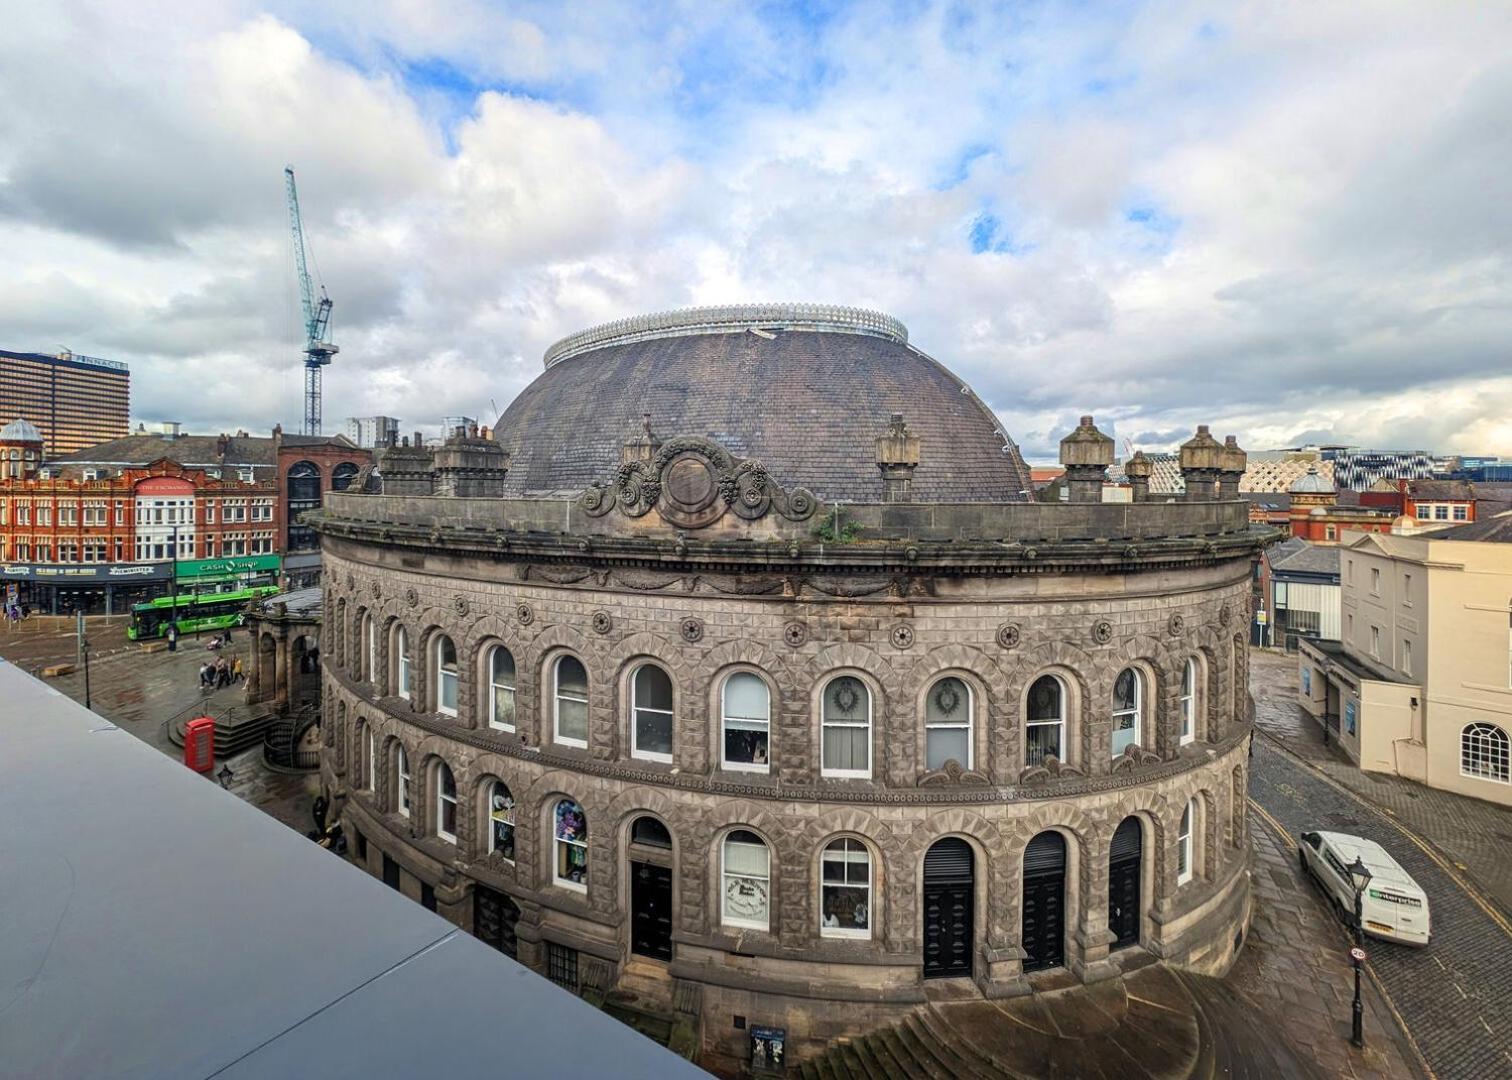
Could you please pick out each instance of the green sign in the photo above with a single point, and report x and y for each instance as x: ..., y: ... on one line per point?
x: 230, y: 566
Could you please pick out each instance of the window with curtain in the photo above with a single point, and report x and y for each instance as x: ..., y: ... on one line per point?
x: 370, y: 652
x: 571, y: 701
x: 747, y: 873
x: 501, y: 688
x: 403, y: 769
x: 1044, y: 734
x: 845, y: 900
x: 846, y: 728
x: 501, y: 820
x: 570, y: 829
x: 1189, y: 700
x: 651, y: 713
x: 401, y: 647
x: 1128, y: 694
x: 446, y: 676
x: 745, y: 708
x: 1184, y: 843
x: 446, y: 803
x: 947, y: 723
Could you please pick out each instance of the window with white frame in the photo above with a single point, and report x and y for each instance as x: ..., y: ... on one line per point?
x: 570, y: 833
x: 570, y: 701
x: 846, y: 722
x: 845, y: 889
x: 1424, y: 513
x: 1184, y: 843
x: 1128, y: 702
x: 1189, y: 700
x: 1045, y: 726
x: 501, y: 821
x: 370, y: 648
x: 501, y: 688
x: 446, y: 803
x: 445, y: 658
x: 1375, y: 642
x: 745, y: 706
x: 651, y: 714
x: 402, y: 661
x: 947, y: 723
x: 1375, y: 581
x: 1461, y: 512
x: 747, y: 878
x: 403, y: 769
x: 1441, y: 512
x: 370, y: 761
x: 1484, y: 752
x: 1406, y: 657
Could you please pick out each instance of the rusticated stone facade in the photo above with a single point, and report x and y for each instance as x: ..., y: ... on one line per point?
x: 1140, y: 626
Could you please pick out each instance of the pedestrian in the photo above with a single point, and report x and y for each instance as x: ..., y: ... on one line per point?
x: 204, y: 673
x: 173, y: 639
x: 237, y: 675
x: 228, y: 635
x: 224, y: 666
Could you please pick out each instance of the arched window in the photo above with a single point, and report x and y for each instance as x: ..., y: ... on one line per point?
x: 1484, y: 752
x: 501, y: 821
x: 652, y: 833
x: 446, y: 803
x: 845, y: 892
x: 402, y: 767
x: 369, y: 649
x: 367, y: 770
x: 1184, y: 861
x: 947, y: 723
x: 1128, y: 701
x: 846, y: 750
x: 501, y: 688
x: 342, y: 476
x: 747, y: 880
x: 1045, y: 728
x: 745, y: 706
x: 301, y: 493
x: 571, y: 694
x: 444, y: 657
x: 402, y: 661
x: 1189, y: 700
x: 571, y: 837
x: 651, y: 714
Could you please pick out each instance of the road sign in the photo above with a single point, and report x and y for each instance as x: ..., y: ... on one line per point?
x: 1261, y: 616
x: 1357, y: 954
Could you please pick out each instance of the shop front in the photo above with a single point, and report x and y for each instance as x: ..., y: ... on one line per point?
x: 105, y: 589
x: 227, y: 574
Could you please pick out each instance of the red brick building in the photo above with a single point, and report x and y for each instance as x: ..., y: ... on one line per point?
x: 1315, y: 514
x: 1429, y: 503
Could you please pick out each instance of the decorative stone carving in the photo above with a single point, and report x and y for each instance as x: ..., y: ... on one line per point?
x: 954, y: 774
x: 602, y: 622
x: 1133, y: 757
x: 351, y: 581
x: 632, y: 579
x: 377, y: 589
x: 562, y: 575
x: 411, y: 597
x: 1053, y: 768
x: 1176, y: 625
x: 693, y: 482
x: 795, y: 634
x: 523, y: 614
x: 902, y: 636
x: 1102, y: 631
x: 1225, y: 615
x: 692, y: 630
x: 1008, y: 636
x: 460, y: 603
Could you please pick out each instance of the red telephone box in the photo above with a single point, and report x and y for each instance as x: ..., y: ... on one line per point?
x: 199, y: 744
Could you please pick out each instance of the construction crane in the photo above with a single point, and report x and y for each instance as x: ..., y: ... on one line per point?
x: 317, y: 316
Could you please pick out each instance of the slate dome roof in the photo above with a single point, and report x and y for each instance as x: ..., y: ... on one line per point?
x: 804, y: 389
x: 1311, y: 483
x: 19, y: 430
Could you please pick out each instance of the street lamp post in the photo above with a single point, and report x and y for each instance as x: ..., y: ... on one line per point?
x: 1359, y: 878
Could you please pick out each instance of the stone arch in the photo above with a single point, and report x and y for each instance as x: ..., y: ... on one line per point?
x: 1082, y: 879
x: 484, y: 634
x: 1076, y: 712
x: 987, y: 681
x: 706, y: 684
x: 707, y: 834
x: 984, y: 839
x: 618, y: 665
x: 879, y: 722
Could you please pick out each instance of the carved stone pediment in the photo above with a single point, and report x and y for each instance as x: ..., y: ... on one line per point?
x: 693, y: 482
x: 1053, y: 768
x: 954, y: 774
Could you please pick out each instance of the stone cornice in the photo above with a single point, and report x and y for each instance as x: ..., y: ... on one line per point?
x: 820, y: 792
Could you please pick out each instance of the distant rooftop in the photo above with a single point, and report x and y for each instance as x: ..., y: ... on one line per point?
x: 66, y: 357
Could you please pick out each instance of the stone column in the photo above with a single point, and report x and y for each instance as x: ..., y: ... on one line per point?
x: 1086, y: 453
x: 281, y: 672
x: 1232, y: 470
x: 897, y: 457
x: 1138, y: 470
x: 1201, y: 461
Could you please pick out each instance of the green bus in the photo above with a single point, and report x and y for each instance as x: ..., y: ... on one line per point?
x: 207, y: 611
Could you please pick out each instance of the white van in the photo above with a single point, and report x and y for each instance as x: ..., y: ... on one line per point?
x: 1393, y: 908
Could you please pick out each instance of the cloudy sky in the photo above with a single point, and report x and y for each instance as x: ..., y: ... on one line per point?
x: 1289, y: 220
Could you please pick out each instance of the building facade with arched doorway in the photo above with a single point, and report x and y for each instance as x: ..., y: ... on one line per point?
x: 785, y: 702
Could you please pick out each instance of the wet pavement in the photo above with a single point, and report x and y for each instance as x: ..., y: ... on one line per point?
x: 144, y: 692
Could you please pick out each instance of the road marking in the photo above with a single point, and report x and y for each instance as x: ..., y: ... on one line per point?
x: 1469, y: 889
x: 1375, y: 980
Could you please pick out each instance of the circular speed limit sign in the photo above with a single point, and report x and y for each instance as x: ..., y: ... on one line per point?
x: 1357, y: 954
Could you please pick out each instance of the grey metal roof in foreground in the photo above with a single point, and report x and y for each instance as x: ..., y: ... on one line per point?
x: 153, y: 925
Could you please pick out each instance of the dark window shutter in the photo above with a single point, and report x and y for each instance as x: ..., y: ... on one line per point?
x: 1046, y: 854
x: 949, y: 859
x: 1126, y: 841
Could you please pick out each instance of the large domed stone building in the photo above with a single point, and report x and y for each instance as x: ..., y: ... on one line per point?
x: 737, y: 673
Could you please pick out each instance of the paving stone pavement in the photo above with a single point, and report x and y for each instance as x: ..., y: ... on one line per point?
x: 1475, y: 835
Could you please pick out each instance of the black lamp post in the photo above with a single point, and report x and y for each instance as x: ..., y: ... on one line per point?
x: 1359, y: 877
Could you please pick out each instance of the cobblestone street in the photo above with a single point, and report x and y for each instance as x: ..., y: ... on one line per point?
x: 1453, y: 994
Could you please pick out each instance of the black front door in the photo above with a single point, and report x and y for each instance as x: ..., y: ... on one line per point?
x: 1044, y: 924
x: 948, y: 909
x: 651, y: 910
x: 494, y: 918
x: 1123, y: 883
x: 390, y: 872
